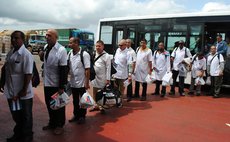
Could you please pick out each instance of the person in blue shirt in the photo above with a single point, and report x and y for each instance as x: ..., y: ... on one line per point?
x: 221, y: 45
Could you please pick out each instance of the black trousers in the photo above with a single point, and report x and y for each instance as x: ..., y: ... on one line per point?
x: 23, y: 118
x: 77, y: 94
x: 137, y: 87
x: 181, y: 82
x: 56, y: 117
x: 157, y: 89
x: 129, y: 90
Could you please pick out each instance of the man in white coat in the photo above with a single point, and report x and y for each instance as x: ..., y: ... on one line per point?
x: 143, y: 68
x: 161, y: 65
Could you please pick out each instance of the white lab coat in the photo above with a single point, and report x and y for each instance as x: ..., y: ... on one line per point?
x: 142, y: 64
x: 161, y: 61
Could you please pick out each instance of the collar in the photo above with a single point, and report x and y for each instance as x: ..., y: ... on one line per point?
x: 21, y: 49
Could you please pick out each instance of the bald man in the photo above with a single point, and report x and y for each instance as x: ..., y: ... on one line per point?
x: 121, y: 58
x: 54, y: 57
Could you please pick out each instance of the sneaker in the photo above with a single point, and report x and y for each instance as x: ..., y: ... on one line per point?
x: 182, y: 94
x: 28, y: 139
x: 155, y: 94
x: 81, y: 120
x: 96, y: 108
x: 58, y: 131
x: 143, y: 98
x: 135, y: 96
x: 119, y: 105
x: 73, y: 119
x: 129, y: 99
x: 197, y: 94
x: 162, y: 95
x: 216, y: 96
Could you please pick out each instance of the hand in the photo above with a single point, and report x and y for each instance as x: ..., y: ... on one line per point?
x: 87, y: 85
x: 41, y: 55
x: 14, y: 98
x: 22, y: 93
x: 171, y: 59
x: 221, y: 73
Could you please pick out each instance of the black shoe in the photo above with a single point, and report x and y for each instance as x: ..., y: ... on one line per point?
x: 73, y: 119
x: 216, y: 96
x: 197, y: 94
x: 143, y: 98
x: 14, y: 138
x: 81, y: 120
x: 119, y: 105
x: 191, y: 93
x: 28, y: 139
x: 163, y: 95
x: 48, y: 127
x: 136, y: 96
x: 102, y: 110
x: 155, y: 94
x: 171, y: 93
x: 129, y: 99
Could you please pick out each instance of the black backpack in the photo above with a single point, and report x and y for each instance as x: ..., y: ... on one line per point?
x: 35, y: 76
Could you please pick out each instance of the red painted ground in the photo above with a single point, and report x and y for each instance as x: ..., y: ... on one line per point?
x: 171, y: 119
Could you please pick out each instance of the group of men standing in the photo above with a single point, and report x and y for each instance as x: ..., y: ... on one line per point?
x: 130, y: 65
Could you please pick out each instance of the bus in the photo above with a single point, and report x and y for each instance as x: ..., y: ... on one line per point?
x: 198, y: 30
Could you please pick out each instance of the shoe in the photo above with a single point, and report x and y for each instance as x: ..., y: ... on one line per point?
x: 171, y: 93
x: 96, y: 108
x: 14, y: 138
x: 58, y: 131
x: 73, y: 119
x: 191, y: 93
x: 136, y: 96
x: 48, y: 127
x: 162, y: 95
x: 155, y: 94
x: 81, y: 120
x: 216, y: 96
x: 129, y: 99
x: 28, y: 139
x: 197, y: 94
x: 102, y: 110
x: 143, y: 99
x: 119, y: 105
x: 182, y: 94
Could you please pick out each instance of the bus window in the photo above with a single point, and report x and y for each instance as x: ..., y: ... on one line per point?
x: 195, y: 44
x: 119, y: 35
x: 106, y: 34
x: 152, y: 40
x: 174, y: 37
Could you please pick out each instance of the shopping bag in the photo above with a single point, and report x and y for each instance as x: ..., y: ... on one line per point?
x: 199, y: 81
x: 86, y: 101
x: 208, y: 81
x: 150, y: 78
x: 182, y: 70
x: 59, y: 100
x: 167, y: 77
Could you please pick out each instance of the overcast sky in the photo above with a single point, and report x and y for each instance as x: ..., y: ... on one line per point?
x: 85, y: 14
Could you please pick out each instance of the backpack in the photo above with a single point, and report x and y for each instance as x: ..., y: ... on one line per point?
x: 35, y: 76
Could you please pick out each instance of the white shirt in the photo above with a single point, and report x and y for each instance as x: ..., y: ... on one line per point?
x: 132, y: 55
x: 77, y: 70
x: 142, y: 64
x: 215, y: 64
x: 161, y: 61
x: 121, y: 58
x: 18, y: 64
x: 198, y: 65
x: 57, y: 57
x: 103, y: 70
x: 179, y: 55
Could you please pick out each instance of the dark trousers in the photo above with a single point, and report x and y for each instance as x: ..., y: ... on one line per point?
x: 56, y: 117
x: 23, y: 118
x: 77, y: 94
x: 129, y: 90
x: 137, y: 87
x: 181, y: 82
x: 216, y: 82
x: 157, y: 89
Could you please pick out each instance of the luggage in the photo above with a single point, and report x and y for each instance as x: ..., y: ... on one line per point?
x: 108, y: 97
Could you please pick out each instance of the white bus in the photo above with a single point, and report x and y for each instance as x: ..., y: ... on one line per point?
x: 198, y: 30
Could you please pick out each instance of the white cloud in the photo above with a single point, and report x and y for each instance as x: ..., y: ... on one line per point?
x: 215, y: 6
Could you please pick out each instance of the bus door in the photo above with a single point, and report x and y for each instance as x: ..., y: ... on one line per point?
x: 131, y: 34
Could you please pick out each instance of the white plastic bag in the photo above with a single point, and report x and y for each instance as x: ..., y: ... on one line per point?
x: 166, y: 80
x: 126, y: 82
x: 208, y: 80
x: 199, y: 81
x: 59, y: 100
x: 182, y: 70
x: 86, y: 101
x: 150, y: 78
